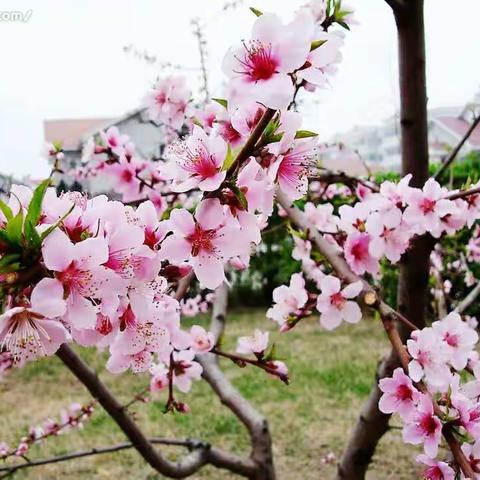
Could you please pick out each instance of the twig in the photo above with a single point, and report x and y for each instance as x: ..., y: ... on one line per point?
x: 463, y: 193
x: 331, y: 176
x: 454, y: 152
x: 188, y: 443
x: 249, y: 146
x: 468, y: 300
x: 242, y: 361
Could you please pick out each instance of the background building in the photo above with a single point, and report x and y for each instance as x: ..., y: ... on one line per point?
x: 73, y: 133
x: 379, y: 145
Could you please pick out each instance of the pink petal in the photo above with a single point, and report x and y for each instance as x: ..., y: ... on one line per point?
x: 181, y: 221
x: 209, y: 271
x: 58, y: 251
x: 47, y: 298
x: 175, y: 249
x: 209, y: 213
x: 351, y: 312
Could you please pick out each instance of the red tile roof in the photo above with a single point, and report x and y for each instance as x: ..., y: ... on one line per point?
x: 70, y: 131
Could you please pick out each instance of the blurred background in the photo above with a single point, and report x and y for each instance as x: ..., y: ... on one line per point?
x: 74, y: 67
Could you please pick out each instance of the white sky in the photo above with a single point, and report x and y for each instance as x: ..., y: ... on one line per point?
x: 67, y: 62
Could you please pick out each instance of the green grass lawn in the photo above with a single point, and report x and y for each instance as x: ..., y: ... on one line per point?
x: 331, y: 375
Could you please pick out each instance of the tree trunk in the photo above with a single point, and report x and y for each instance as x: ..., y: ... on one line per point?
x: 412, y: 293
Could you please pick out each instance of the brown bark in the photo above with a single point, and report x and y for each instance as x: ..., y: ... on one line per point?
x: 414, y: 268
x: 256, y: 424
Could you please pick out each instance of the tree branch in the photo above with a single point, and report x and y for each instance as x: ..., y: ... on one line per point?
x: 188, y: 443
x: 395, y: 5
x: 181, y: 469
x: 249, y: 146
x: 453, y: 154
x: 256, y: 424
x: 332, y: 176
x: 468, y: 300
x: 463, y: 193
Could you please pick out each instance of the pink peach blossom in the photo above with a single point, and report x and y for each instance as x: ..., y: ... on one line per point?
x: 335, y: 304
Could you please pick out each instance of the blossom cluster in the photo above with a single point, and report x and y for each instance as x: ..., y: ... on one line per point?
x: 380, y: 225
x: 96, y: 277
x: 431, y: 394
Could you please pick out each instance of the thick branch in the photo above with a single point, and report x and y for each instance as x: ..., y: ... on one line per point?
x: 255, y: 423
x: 454, y: 152
x: 185, y: 467
x: 395, y: 5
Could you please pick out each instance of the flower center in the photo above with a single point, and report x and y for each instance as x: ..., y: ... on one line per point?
x: 201, y: 240
x: 127, y: 176
x: 104, y: 325
x: 428, y: 425
x: 337, y: 300
x: 451, y: 339
x: 259, y: 62
x: 434, y: 473
x: 427, y: 205
x: 160, y: 98
x: 404, y: 393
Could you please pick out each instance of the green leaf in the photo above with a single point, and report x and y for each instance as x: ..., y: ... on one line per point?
x: 31, y: 235
x: 256, y: 12
x: 4, y: 237
x: 242, y: 199
x: 9, y: 258
x: 305, y: 134
x: 343, y: 24
x: 270, y: 355
x: 12, y: 267
x: 316, y: 43
x: 14, y: 229
x: 35, y: 205
x: 228, y: 159
x: 221, y: 101
x: 51, y: 228
x: 6, y: 210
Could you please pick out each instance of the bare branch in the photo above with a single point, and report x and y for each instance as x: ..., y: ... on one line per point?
x: 183, y: 468
x: 255, y: 423
x: 453, y: 154
x: 463, y: 193
x: 188, y: 443
x: 468, y: 300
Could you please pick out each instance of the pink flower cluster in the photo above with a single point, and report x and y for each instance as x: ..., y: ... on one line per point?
x: 379, y: 226
x: 437, y: 354
x: 98, y: 281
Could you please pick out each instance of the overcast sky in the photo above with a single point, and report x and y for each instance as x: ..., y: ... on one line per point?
x: 67, y: 61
